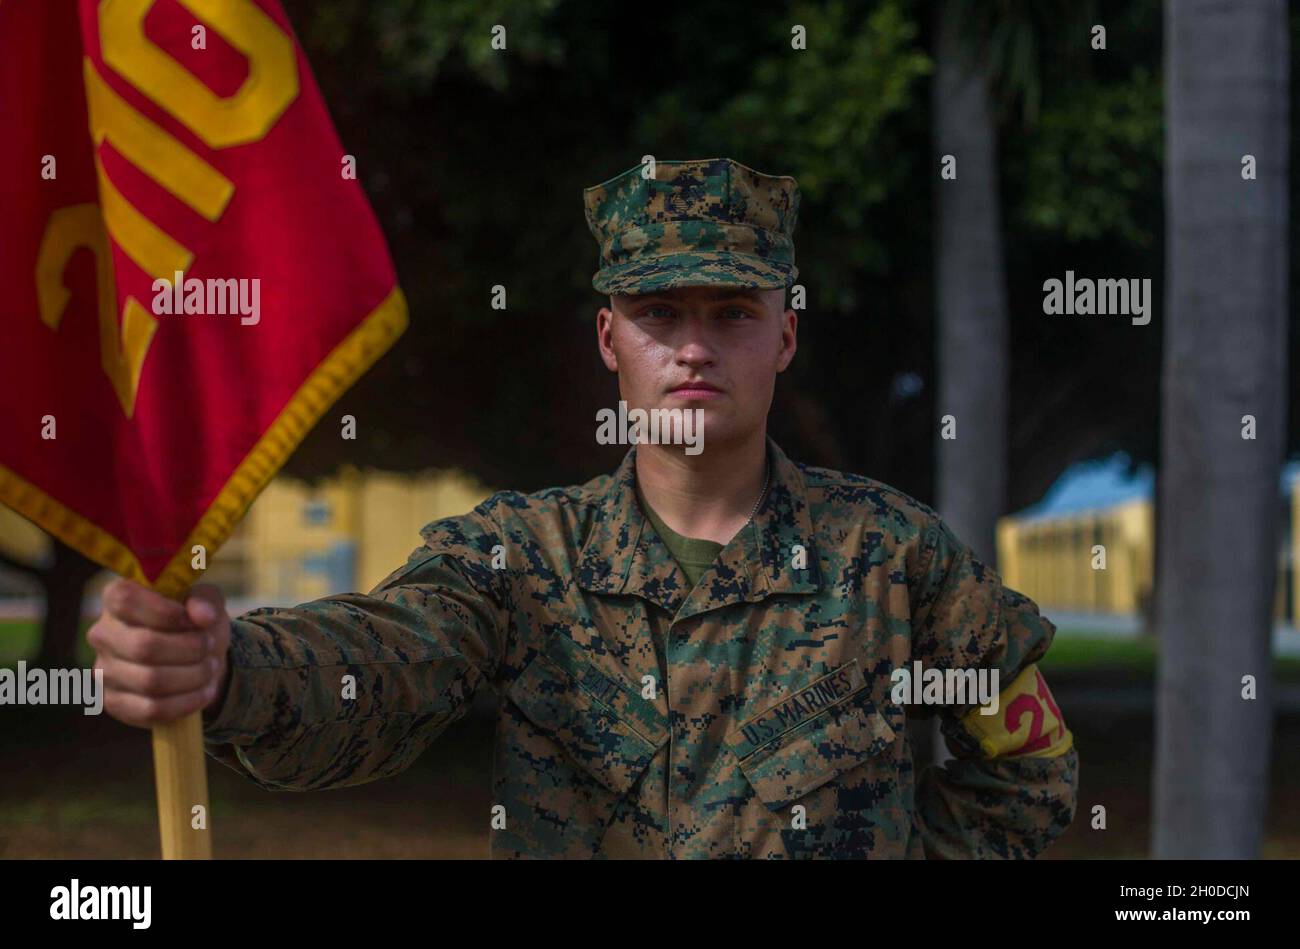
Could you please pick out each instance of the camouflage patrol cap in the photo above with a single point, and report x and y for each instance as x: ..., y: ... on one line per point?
x: 694, y: 223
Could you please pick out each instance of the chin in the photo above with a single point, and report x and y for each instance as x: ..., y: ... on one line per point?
x: 718, y: 430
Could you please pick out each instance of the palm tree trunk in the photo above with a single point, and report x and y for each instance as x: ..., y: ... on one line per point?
x: 972, y: 309
x: 65, y: 588
x: 972, y: 324
x: 1226, y: 82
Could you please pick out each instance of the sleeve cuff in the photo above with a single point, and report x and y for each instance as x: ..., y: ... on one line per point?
x: 245, y: 714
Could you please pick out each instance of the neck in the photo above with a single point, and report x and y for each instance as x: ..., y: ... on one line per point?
x: 707, y: 496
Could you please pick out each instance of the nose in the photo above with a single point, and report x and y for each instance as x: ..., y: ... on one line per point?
x: 694, y: 348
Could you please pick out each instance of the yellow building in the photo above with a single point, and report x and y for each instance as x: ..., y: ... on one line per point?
x: 1103, y: 560
x: 1097, y: 561
x: 299, y: 542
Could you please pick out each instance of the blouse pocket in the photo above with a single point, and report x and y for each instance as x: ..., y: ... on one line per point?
x: 830, y: 783
x: 576, y: 747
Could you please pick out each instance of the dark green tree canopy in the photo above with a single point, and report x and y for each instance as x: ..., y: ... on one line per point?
x: 476, y: 158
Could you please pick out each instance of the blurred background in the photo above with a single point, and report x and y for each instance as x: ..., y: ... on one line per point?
x: 919, y: 304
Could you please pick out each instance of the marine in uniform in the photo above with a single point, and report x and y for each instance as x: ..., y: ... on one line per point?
x: 664, y: 696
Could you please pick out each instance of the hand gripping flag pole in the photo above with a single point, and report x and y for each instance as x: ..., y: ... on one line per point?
x: 191, y: 277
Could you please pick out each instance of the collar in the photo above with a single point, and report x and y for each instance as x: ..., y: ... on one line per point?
x: 624, y: 556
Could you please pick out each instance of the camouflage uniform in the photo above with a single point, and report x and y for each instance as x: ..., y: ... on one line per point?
x: 771, y: 684
x: 751, y: 715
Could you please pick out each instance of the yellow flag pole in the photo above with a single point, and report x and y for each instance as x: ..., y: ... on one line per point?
x: 181, y: 780
x: 181, y: 776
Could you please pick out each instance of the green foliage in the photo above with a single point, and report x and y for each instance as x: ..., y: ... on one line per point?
x: 822, y: 108
x: 21, y: 639
x: 835, y: 113
x: 1008, y: 37
x: 413, y: 38
x: 1095, y: 160
x: 475, y: 161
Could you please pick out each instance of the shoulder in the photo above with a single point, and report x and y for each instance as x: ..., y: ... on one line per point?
x: 859, y: 515
x: 513, y: 520
x: 845, y: 498
x: 565, y: 507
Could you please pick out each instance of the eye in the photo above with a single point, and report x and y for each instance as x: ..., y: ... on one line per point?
x: 657, y: 311
x: 736, y: 312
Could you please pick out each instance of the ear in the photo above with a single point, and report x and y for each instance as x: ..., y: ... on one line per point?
x: 605, y: 337
x: 789, y: 339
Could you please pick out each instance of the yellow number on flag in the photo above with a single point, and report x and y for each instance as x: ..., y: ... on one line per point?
x: 269, y: 89
x: 121, y: 350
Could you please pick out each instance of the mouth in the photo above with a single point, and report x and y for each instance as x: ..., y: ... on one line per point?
x: 696, y: 390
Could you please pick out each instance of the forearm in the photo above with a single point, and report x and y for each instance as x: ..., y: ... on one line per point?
x: 1011, y: 788
x: 340, y: 691
x: 998, y: 808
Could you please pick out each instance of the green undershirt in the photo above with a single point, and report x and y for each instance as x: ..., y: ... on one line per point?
x: 692, y: 554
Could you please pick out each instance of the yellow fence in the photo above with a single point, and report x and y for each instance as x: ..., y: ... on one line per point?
x: 1094, y: 561
x: 301, y: 542
x: 1103, y: 561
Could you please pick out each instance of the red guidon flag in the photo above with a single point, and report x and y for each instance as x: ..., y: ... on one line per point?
x: 190, y: 273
